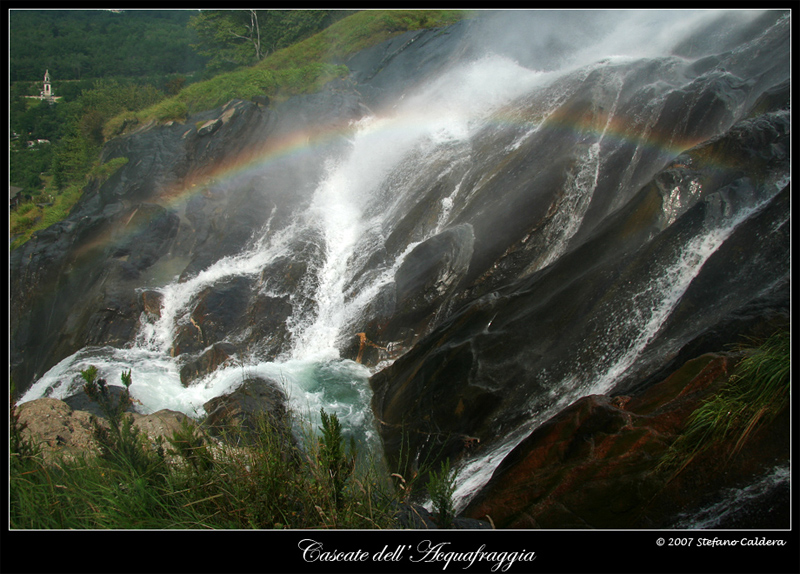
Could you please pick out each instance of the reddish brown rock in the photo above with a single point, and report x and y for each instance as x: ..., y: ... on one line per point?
x: 593, y: 465
x: 151, y: 303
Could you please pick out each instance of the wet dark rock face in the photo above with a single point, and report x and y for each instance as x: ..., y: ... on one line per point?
x: 423, y: 283
x: 595, y: 464
x: 625, y: 221
x: 479, y: 370
x: 491, y: 364
x: 207, y: 362
x: 239, y: 412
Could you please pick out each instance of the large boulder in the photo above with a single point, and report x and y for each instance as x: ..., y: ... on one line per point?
x: 59, y: 430
x: 80, y: 401
x: 243, y: 409
x: 151, y: 302
x: 237, y: 310
x: 220, y: 308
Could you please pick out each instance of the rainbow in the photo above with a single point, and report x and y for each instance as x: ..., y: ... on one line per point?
x: 300, y: 144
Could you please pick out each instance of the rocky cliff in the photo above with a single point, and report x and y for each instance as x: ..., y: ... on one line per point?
x: 475, y: 247
x: 596, y: 463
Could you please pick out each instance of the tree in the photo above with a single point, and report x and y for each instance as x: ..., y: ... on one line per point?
x: 26, y: 164
x: 37, y: 120
x: 109, y: 98
x: 233, y: 38
x: 230, y: 38
x: 87, y: 44
x: 91, y: 126
x: 72, y: 156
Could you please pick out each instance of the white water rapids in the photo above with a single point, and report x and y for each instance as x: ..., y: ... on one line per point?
x: 349, y: 215
x: 352, y: 212
x: 650, y: 305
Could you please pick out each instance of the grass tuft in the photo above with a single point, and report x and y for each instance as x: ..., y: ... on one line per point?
x: 298, y: 69
x: 263, y: 480
x: 756, y: 393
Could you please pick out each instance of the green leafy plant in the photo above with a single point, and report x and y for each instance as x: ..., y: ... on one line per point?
x: 97, y: 390
x: 101, y: 172
x: 120, y: 442
x: 336, y: 461
x: 441, y: 487
x: 190, y: 444
x: 755, y: 394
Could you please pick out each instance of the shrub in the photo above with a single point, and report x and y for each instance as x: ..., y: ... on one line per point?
x: 190, y: 444
x: 24, y: 208
x: 42, y: 217
x: 335, y: 461
x: 119, y: 123
x: 101, y: 172
x: 265, y: 481
x: 170, y: 110
x: 441, y: 487
x: 121, y: 442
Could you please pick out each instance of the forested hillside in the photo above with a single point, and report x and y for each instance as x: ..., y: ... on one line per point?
x: 105, y: 63
x: 81, y: 44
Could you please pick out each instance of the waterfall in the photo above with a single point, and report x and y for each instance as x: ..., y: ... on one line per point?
x: 750, y: 498
x: 630, y: 328
x: 533, y: 146
x: 347, y: 219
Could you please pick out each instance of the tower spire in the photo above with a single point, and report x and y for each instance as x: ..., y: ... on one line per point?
x: 47, y: 92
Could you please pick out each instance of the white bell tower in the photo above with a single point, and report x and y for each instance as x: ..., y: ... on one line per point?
x: 47, y: 91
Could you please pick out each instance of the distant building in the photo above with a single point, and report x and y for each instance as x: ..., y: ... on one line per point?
x: 46, y: 93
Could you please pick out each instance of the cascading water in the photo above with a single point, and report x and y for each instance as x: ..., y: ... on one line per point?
x: 347, y: 219
x: 527, y: 159
x: 631, y: 324
x: 753, y: 499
